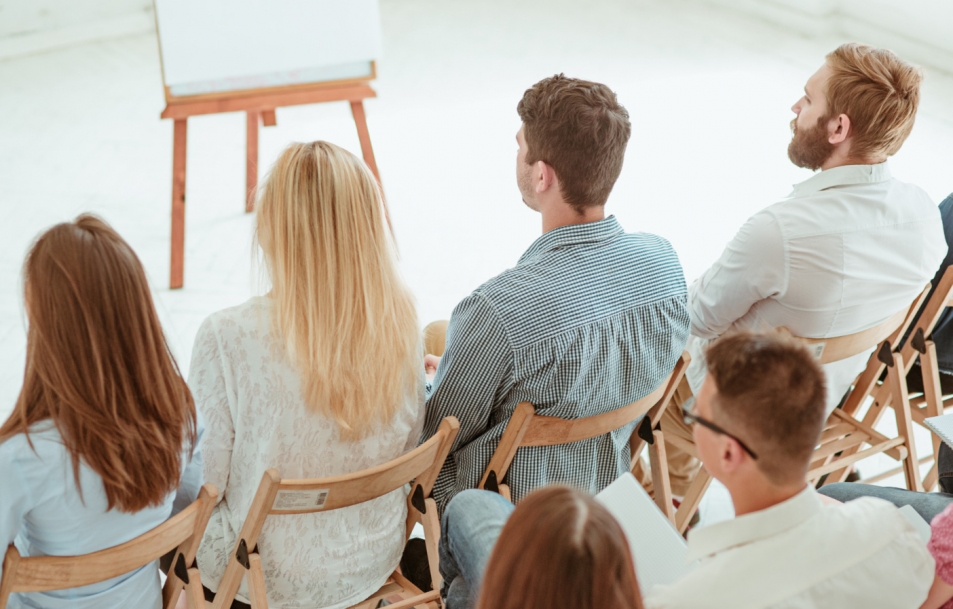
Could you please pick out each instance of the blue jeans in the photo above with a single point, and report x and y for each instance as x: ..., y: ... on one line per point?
x: 470, y: 526
x: 927, y: 505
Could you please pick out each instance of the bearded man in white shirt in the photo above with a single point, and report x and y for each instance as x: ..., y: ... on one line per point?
x: 756, y: 421
x: 847, y: 249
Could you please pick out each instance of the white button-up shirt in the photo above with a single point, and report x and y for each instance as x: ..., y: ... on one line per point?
x: 802, y: 554
x: 849, y: 248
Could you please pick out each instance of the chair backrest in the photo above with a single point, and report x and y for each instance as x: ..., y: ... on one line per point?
x: 45, y: 573
x: 421, y: 465
x: 526, y: 428
x: 276, y: 496
x: 930, y: 314
x: 829, y: 350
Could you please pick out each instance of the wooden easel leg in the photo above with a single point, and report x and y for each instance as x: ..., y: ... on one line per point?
x: 251, y: 159
x: 360, y: 119
x: 178, y: 204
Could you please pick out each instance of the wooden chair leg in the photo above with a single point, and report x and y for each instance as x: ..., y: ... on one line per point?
x: 933, y: 396
x: 901, y: 406
x: 256, y: 583
x: 431, y: 524
x: 194, y: 594
x: 692, y: 500
x: 177, y: 262
x: 660, y: 479
x: 251, y: 158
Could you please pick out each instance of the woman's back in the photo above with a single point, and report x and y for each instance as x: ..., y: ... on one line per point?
x: 102, y: 434
x: 250, y: 399
x: 321, y: 377
x: 58, y: 520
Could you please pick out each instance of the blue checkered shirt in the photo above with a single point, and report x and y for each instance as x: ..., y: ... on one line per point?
x: 589, y: 320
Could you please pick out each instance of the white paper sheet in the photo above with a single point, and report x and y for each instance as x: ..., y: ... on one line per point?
x: 942, y: 426
x: 921, y: 525
x: 658, y: 550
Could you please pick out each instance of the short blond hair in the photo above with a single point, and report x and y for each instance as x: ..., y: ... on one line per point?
x: 878, y: 91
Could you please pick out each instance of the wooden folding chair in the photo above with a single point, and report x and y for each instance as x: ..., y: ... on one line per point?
x: 930, y: 402
x: 844, y: 436
x: 182, y: 533
x: 278, y: 497
x: 526, y: 428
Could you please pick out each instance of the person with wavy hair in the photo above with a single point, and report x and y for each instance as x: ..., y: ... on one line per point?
x: 322, y: 376
x: 101, y: 446
x: 558, y: 549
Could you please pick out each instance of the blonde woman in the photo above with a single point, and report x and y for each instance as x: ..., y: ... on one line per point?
x: 323, y: 376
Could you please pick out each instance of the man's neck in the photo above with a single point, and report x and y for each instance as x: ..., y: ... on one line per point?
x: 753, y: 497
x: 557, y: 216
x: 838, y: 160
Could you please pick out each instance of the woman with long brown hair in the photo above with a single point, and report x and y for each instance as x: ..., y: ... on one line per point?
x: 322, y: 376
x: 103, y: 431
x: 558, y: 549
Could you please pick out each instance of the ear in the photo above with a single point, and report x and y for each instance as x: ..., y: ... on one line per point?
x: 838, y: 129
x: 733, y: 457
x: 547, y: 177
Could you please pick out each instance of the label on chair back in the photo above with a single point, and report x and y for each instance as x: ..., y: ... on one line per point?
x: 300, y: 500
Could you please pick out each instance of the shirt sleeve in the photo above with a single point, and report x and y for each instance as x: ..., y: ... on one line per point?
x: 207, y: 381
x: 941, y: 544
x: 15, y: 499
x: 474, y: 374
x: 753, y: 267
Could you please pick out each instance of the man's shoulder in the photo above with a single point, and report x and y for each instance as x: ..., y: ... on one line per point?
x: 553, y: 266
x: 859, y: 530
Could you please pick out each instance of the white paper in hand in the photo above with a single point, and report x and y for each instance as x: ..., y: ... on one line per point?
x: 921, y: 525
x: 660, y: 553
x: 942, y: 426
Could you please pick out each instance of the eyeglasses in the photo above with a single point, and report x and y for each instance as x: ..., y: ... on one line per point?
x: 690, y: 418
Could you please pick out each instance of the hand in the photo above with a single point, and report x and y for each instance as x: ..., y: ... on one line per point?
x: 430, y: 366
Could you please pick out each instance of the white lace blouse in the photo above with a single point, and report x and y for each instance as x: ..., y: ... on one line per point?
x: 256, y: 419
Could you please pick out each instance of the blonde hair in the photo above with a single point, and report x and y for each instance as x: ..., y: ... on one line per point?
x: 345, y: 317
x: 878, y: 91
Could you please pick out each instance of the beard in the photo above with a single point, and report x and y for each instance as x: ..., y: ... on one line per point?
x: 810, y: 148
x: 524, y: 182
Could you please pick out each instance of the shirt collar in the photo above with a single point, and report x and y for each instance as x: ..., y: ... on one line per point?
x: 721, y: 536
x: 844, y: 175
x: 574, y: 234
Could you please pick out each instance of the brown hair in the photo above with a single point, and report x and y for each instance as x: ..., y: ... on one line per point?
x: 878, y: 91
x: 579, y: 129
x: 770, y: 391
x: 98, y: 366
x: 560, y: 549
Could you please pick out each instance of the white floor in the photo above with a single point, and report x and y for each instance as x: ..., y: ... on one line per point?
x: 709, y: 93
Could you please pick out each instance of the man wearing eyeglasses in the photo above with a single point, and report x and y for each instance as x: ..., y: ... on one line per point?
x: 756, y: 422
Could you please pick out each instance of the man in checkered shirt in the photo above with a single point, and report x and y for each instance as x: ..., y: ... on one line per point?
x: 590, y: 319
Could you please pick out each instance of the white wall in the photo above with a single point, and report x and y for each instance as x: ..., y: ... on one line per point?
x: 917, y: 30
x: 31, y: 26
